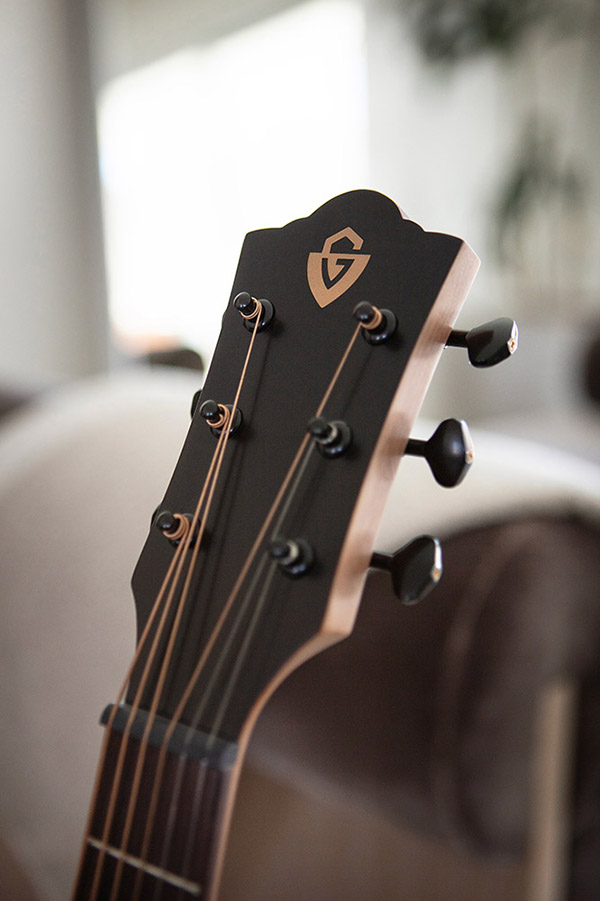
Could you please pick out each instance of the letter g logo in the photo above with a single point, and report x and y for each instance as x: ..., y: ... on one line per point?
x: 330, y: 273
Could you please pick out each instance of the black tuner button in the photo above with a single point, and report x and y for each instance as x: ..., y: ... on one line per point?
x: 218, y: 416
x: 294, y: 556
x: 415, y: 569
x: 449, y: 452
x: 250, y: 308
x: 331, y: 438
x: 378, y: 325
x: 487, y: 344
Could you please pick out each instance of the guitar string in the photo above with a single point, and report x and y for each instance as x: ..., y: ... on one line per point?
x: 199, y: 666
x: 198, y: 797
x: 155, y: 797
x: 176, y: 566
x: 253, y: 551
x: 181, y: 550
x: 175, y: 794
x: 242, y: 653
x: 119, y: 698
x: 215, y: 674
x: 240, y: 658
x: 172, y: 814
x: 242, y: 609
x: 179, y: 773
x: 144, y: 741
x: 176, y: 717
x: 244, y: 649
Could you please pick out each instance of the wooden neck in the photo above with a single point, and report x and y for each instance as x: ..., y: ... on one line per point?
x: 172, y: 852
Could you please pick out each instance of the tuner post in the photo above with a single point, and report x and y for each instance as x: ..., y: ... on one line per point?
x: 174, y: 526
x: 256, y: 314
x: 221, y: 416
x: 331, y: 438
x: 294, y: 556
x: 377, y: 326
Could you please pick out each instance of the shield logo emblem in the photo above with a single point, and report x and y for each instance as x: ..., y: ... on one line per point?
x: 331, y: 272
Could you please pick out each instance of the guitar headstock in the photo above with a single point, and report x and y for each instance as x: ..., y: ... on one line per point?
x: 294, y: 441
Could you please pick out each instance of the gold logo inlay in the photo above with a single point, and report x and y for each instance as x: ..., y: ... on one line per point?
x: 331, y: 272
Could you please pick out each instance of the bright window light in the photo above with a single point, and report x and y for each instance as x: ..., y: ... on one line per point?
x: 196, y: 150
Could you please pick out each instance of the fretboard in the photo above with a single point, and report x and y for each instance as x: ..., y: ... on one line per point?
x: 170, y: 846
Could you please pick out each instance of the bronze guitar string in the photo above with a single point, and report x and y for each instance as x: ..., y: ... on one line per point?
x: 179, y: 558
x: 242, y: 575
x: 121, y: 695
x: 179, y: 773
x: 243, y: 607
x: 375, y: 322
x: 216, y: 672
x: 282, y: 490
x: 176, y: 566
x: 253, y: 551
x: 144, y: 741
x: 160, y: 684
x: 230, y: 601
x: 242, y: 652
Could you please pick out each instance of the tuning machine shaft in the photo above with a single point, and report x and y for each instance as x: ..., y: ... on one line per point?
x: 487, y: 344
x: 449, y: 452
x: 415, y: 569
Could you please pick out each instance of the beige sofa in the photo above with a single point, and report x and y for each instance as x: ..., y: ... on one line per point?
x: 397, y: 765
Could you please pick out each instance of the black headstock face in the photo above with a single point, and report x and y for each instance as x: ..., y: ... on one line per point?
x: 276, y: 480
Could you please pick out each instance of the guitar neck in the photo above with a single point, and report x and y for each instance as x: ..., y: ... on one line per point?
x: 169, y: 844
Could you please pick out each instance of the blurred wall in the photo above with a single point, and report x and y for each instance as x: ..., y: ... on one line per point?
x: 441, y: 142
x: 449, y: 141
x: 53, y: 322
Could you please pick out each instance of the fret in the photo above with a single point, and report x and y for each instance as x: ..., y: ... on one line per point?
x: 178, y: 882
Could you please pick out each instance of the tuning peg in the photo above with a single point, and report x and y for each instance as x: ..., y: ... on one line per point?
x: 415, y: 569
x: 487, y: 344
x: 449, y: 452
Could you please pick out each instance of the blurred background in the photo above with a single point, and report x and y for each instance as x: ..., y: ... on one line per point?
x: 142, y: 139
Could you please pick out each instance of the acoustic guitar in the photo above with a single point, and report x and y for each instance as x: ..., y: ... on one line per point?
x: 257, y: 555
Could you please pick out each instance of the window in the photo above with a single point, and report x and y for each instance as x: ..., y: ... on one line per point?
x: 197, y: 149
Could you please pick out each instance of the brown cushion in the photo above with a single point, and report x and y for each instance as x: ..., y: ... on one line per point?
x: 427, y: 711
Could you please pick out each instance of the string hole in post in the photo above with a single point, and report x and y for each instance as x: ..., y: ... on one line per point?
x: 251, y: 310
x: 221, y: 416
x: 377, y: 325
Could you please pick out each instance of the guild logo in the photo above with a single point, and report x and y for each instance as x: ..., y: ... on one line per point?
x: 331, y: 272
